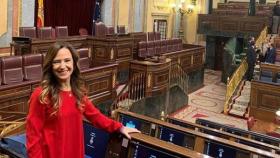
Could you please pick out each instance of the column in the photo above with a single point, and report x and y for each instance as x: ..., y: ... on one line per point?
x: 252, y: 8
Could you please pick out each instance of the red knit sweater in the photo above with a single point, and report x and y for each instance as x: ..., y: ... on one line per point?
x: 61, y: 136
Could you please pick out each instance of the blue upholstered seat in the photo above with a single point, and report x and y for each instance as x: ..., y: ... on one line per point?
x: 278, y: 78
x: 266, y: 76
x: 15, y: 145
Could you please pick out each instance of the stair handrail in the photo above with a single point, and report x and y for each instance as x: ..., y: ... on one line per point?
x: 127, y: 87
x: 237, y: 76
x: 233, y: 82
x: 183, y: 78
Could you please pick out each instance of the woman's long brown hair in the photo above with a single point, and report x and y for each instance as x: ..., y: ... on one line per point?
x: 50, y: 85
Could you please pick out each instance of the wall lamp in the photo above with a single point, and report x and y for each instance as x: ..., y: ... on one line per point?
x: 278, y: 113
x: 182, y: 9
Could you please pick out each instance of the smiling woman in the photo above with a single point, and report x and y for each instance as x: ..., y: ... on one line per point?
x: 3, y: 16
x: 54, y: 127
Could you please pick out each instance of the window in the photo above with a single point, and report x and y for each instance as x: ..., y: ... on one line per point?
x: 160, y: 26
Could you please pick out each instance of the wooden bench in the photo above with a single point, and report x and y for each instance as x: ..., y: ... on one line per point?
x: 189, y: 138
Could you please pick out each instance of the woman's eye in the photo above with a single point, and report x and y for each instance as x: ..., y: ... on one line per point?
x: 67, y: 60
x: 55, y: 62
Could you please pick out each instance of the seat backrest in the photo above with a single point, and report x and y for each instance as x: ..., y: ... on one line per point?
x: 100, y: 29
x: 84, y: 60
x: 163, y: 46
x: 28, y: 32
x: 266, y: 76
x: 151, y: 36
x: 278, y: 77
x: 45, y: 32
x: 110, y: 30
x: 157, y: 36
x: 157, y: 47
x: 121, y: 29
x: 179, y: 44
x: 150, y: 48
x: 0, y: 71
x: 266, y: 73
x: 169, y: 44
x: 142, y: 49
x: 32, y: 66
x: 174, y: 43
x: 277, y: 58
x: 61, y: 31
x: 11, y: 70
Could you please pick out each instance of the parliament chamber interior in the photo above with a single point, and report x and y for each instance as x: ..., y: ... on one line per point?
x: 173, y: 69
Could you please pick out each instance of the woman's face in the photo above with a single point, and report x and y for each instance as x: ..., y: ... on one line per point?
x: 62, y: 65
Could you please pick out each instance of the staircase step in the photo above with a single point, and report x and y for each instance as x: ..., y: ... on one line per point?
x: 237, y: 56
x: 238, y: 61
x: 236, y: 112
x: 247, y: 83
x: 242, y: 55
x: 239, y: 107
x: 242, y: 100
x: 126, y: 103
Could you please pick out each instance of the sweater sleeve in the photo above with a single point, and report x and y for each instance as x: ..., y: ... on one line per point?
x: 34, y: 125
x: 98, y: 119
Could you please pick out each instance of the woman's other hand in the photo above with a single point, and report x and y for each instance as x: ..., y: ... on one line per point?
x: 126, y: 130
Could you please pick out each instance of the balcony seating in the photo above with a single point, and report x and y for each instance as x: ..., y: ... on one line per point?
x: 100, y: 29
x: 45, y: 33
x: 266, y: 76
x: 142, y: 49
x: 61, y: 31
x: 110, y: 30
x: 84, y: 60
x: 150, y: 48
x: 157, y: 36
x: 32, y: 67
x: 121, y: 29
x: 151, y: 36
x: 157, y: 47
x: 28, y: 32
x: 11, y: 70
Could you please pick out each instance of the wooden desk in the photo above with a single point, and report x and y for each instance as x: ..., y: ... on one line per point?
x: 191, y: 58
x: 274, y: 68
x: 265, y: 100
x: 231, y: 25
x: 157, y: 75
x: 42, y: 46
x: 111, y: 50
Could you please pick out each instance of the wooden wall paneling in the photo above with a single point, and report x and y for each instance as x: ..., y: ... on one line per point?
x: 265, y: 100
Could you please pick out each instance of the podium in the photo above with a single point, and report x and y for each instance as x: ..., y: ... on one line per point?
x: 20, y: 46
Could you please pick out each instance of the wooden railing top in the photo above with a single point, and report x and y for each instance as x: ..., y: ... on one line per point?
x: 231, y: 25
x: 199, y: 134
x: 273, y: 67
x: 227, y: 134
x: 188, y: 50
x: 167, y: 146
